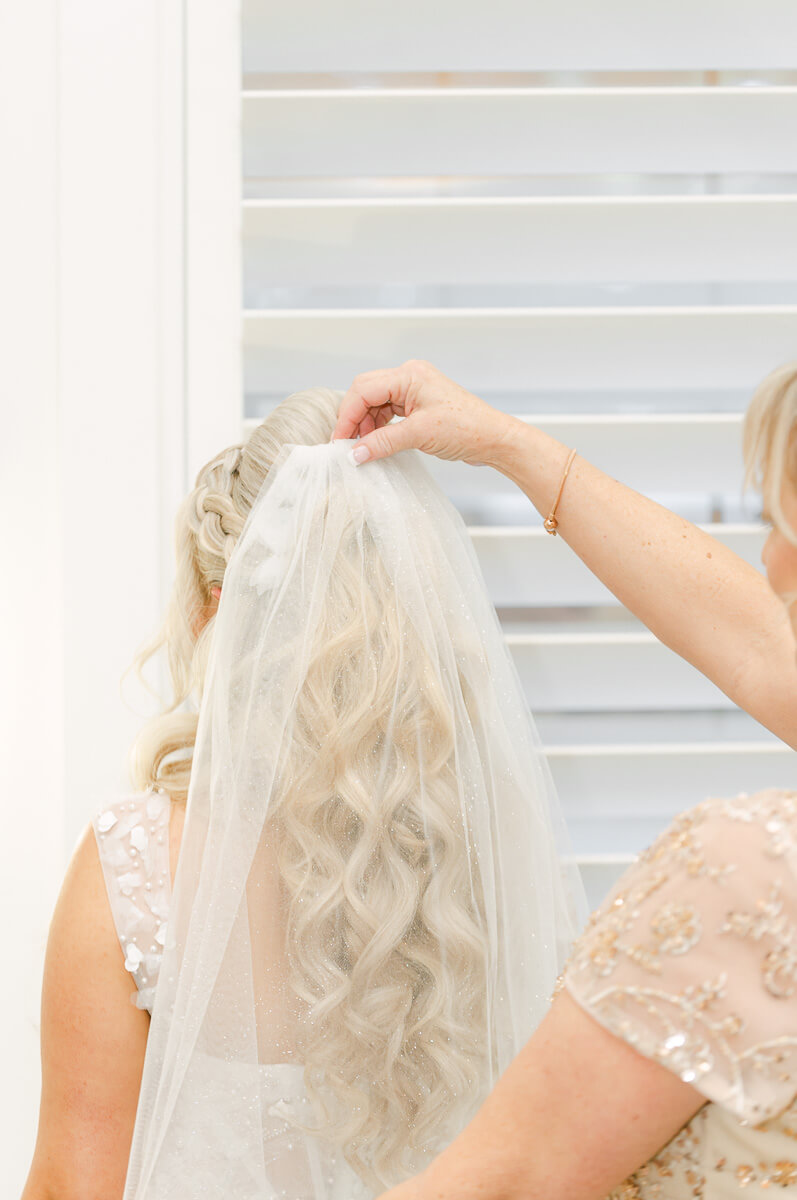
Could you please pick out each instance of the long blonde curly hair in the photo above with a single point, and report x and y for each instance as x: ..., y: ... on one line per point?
x: 384, y: 899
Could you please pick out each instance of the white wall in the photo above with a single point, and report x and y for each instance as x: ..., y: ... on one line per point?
x: 119, y: 379
x: 31, y: 613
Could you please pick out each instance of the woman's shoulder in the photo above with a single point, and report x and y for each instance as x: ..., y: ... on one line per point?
x: 137, y: 839
x: 93, y: 1039
x: 746, y: 807
x: 138, y: 822
x: 132, y: 809
x: 740, y: 827
x: 692, y: 958
x: 83, y: 940
x: 724, y: 855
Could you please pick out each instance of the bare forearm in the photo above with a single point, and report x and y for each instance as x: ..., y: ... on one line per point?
x: 551, y: 1129
x: 491, y: 1160
x: 695, y: 594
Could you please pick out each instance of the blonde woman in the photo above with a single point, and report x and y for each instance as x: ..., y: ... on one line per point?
x: 337, y: 887
x: 667, y: 1065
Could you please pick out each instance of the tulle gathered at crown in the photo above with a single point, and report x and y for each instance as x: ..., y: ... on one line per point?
x: 370, y: 909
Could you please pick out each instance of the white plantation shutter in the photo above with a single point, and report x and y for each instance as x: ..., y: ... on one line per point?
x: 588, y: 215
x: 368, y: 36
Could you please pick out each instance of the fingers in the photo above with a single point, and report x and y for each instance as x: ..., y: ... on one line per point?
x: 389, y: 439
x: 383, y: 391
x: 368, y: 422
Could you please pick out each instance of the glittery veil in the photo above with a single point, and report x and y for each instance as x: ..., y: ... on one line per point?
x: 373, y: 898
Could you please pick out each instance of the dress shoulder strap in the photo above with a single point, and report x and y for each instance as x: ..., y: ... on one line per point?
x: 133, y: 842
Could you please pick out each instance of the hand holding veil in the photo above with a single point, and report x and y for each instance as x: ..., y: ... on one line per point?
x: 370, y: 910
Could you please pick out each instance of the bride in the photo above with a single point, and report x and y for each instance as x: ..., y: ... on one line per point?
x: 335, y: 898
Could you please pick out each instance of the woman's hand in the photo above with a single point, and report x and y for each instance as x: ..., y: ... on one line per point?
x: 694, y: 593
x: 442, y: 418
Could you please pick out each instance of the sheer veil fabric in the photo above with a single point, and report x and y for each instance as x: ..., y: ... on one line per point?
x: 371, y: 905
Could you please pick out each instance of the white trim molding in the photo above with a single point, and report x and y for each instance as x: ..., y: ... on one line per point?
x: 122, y: 374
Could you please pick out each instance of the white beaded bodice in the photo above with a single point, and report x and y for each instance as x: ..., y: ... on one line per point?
x: 133, y: 841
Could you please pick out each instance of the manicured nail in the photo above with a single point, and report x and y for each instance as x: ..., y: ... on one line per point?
x: 360, y: 454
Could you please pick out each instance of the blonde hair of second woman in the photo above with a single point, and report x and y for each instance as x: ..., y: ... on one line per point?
x: 770, y: 447
x: 770, y: 441
x: 416, y: 1025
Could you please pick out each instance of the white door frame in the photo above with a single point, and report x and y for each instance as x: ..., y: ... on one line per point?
x: 122, y: 376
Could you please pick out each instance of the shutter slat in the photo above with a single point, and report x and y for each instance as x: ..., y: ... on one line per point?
x: 599, y: 874
x: 618, y: 798
x: 529, y: 568
x: 355, y: 36
x: 577, y: 240
x: 595, y: 672
x: 484, y: 132
x: 505, y: 349
x: 684, y: 452
x: 648, y: 726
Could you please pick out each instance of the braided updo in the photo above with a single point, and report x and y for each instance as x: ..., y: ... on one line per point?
x: 207, y: 528
x: 213, y: 518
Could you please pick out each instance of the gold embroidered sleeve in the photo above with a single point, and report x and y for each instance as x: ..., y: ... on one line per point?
x: 692, y: 958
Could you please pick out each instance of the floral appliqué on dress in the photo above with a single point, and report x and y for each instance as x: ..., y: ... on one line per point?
x: 133, y: 842
x: 692, y: 960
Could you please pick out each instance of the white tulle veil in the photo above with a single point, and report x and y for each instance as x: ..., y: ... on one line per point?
x: 371, y: 907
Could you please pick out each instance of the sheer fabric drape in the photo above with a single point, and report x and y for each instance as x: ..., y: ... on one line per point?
x: 370, y: 909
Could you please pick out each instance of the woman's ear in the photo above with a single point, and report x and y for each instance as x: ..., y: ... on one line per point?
x: 216, y: 592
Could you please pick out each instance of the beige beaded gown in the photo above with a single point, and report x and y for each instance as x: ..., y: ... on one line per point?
x: 692, y: 959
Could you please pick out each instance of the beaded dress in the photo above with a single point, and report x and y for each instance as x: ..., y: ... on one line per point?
x: 133, y: 841
x: 692, y: 959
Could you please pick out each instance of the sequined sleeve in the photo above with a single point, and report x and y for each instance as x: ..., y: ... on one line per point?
x: 692, y: 958
x: 133, y: 842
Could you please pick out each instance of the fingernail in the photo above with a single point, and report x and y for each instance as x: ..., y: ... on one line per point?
x: 360, y: 454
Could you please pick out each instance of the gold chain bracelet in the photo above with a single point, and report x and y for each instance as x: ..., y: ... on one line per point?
x: 550, y: 521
